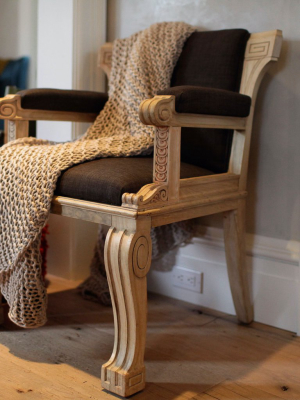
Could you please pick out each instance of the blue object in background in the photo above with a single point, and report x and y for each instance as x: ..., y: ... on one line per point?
x: 15, y: 73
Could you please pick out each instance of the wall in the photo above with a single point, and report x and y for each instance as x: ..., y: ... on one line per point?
x: 18, y: 32
x: 273, y: 215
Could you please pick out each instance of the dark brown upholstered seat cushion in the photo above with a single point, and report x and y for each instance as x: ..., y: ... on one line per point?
x: 106, y: 179
x: 212, y: 59
x: 209, y: 101
x: 63, y: 100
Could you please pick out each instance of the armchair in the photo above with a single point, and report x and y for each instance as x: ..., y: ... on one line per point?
x: 211, y: 102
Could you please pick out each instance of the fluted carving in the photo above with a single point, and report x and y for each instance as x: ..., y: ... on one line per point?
x: 127, y: 261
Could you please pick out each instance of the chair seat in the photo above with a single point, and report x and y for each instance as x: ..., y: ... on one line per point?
x: 105, y: 180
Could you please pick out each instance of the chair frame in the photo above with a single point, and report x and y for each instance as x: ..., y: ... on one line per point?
x: 168, y: 199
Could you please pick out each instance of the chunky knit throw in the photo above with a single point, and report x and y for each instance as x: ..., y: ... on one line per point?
x: 29, y: 168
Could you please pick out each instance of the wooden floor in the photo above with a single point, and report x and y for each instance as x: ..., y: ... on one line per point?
x: 189, y: 354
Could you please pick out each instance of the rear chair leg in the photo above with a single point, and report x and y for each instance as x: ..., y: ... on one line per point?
x: 235, y: 248
x: 127, y: 261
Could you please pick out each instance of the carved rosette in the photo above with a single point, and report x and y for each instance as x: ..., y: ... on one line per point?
x: 161, y: 155
x: 141, y: 255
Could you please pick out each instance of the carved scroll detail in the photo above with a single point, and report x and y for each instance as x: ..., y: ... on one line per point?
x: 157, y: 111
x: 8, y: 107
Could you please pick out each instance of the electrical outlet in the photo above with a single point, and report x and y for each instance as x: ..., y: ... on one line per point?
x: 187, y: 279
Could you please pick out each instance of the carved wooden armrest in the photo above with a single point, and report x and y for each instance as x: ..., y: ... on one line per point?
x: 160, y: 111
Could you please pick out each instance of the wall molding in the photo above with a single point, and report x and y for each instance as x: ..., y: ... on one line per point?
x: 257, y: 246
x: 89, y: 33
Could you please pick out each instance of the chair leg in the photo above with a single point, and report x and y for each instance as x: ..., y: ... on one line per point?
x: 127, y: 261
x: 235, y: 248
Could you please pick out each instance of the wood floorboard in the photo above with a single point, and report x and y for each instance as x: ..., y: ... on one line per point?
x: 191, y: 354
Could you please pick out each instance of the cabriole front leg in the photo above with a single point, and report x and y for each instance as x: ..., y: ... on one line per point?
x: 127, y: 261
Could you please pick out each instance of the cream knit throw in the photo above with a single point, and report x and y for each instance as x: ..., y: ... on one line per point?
x: 29, y: 168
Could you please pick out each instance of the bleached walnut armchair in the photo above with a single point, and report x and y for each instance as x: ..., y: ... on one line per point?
x: 199, y: 167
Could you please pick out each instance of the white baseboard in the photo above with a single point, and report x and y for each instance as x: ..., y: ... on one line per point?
x: 273, y: 267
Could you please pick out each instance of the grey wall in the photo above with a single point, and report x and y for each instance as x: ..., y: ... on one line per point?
x: 274, y: 182
x: 18, y: 32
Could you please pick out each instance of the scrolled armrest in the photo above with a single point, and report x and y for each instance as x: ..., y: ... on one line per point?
x: 192, y: 106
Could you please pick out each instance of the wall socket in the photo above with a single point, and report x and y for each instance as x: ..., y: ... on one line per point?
x: 188, y: 279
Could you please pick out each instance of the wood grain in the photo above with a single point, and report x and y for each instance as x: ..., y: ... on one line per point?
x: 127, y: 262
x: 190, y: 355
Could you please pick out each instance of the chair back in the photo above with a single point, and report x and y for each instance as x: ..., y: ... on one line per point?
x: 210, y: 59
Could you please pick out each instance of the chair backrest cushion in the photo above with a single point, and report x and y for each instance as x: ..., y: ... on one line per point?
x: 210, y: 59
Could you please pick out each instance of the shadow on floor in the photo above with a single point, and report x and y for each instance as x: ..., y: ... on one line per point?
x: 186, y: 352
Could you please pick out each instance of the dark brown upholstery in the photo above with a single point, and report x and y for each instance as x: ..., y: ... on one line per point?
x: 209, y: 101
x: 106, y: 179
x: 210, y: 59
x: 63, y: 100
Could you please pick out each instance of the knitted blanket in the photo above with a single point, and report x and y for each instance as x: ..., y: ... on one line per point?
x: 29, y: 168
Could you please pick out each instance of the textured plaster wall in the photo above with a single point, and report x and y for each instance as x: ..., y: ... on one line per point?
x: 274, y: 173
